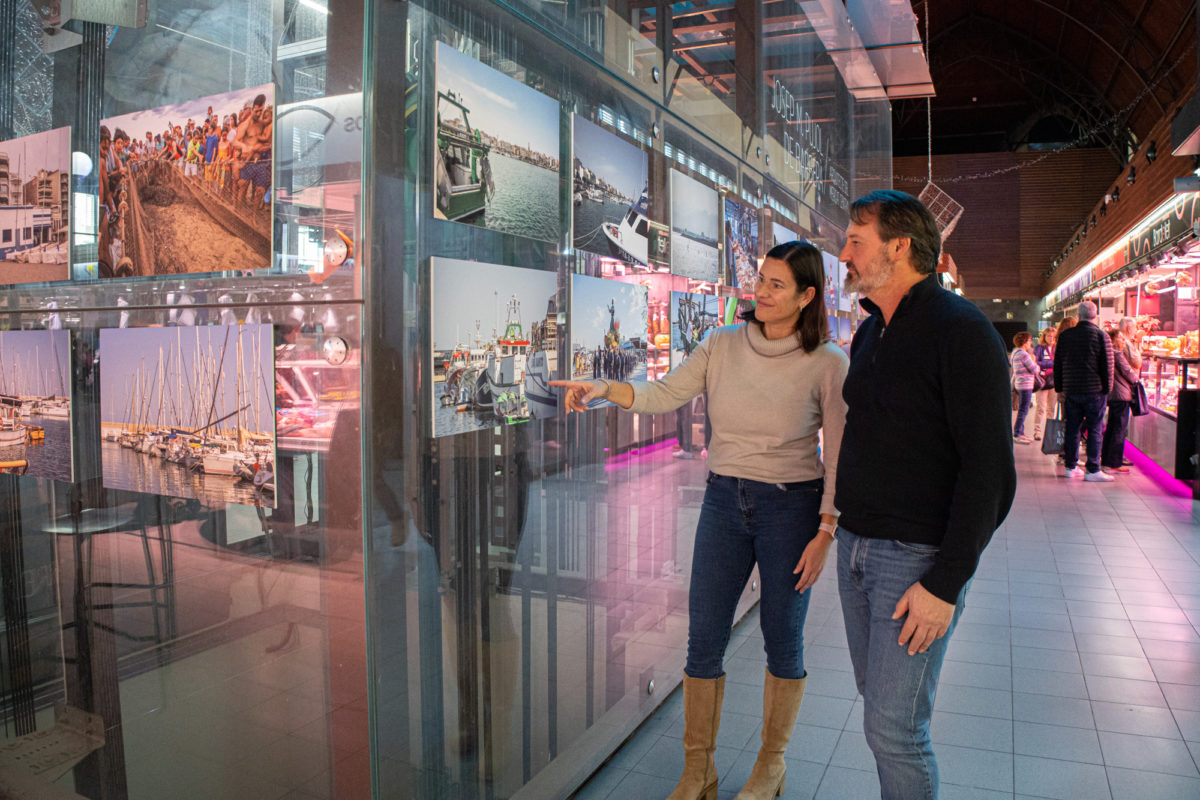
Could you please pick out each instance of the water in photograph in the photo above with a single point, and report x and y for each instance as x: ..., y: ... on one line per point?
x: 448, y: 420
x: 526, y: 199
x: 139, y: 472
x: 51, y: 458
x: 589, y: 216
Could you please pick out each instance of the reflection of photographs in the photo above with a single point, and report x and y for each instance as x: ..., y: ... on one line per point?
x: 609, y: 329
x: 694, y: 229
x: 35, y: 404
x: 692, y: 317
x: 831, y: 280
x: 35, y: 207
x: 189, y: 412
x: 608, y: 184
x: 187, y: 187
x: 496, y: 156
x: 781, y: 235
x: 845, y: 299
x: 741, y: 244
x: 495, y: 345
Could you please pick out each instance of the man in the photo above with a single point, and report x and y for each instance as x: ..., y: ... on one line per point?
x: 1128, y: 327
x: 925, y: 476
x: 1083, y: 374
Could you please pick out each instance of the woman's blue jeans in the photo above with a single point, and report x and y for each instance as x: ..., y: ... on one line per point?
x: 744, y: 522
x: 897, y: 689
x: 1024, y: 398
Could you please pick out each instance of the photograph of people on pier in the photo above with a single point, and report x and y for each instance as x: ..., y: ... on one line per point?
x: 35, y: 207
x: 186, y: 188
x: 35, y: 404
x: 496, y: 152
x: 741, y: 244
x: 609, y: 323
x: 694, y: 229
x: 189, y: 412
x: 608, y: 186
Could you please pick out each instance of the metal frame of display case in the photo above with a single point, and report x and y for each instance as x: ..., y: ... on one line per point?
x: 1169, y: 438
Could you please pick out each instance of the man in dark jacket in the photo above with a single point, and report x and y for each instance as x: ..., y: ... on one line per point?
x: 1083, y: 374
x: 925, y: 476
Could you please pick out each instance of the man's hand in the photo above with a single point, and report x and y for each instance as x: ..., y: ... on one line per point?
x: 929, y: 618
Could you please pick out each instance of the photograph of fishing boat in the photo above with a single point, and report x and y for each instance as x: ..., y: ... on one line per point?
x: 189, y: 412
x: 608, y: 185
x: 186, y: 188
x: 609, y: 330
x: 741, y: 244
x: 35, y: 404
x: 694, y: 229
x: 692, y: 317
x: 495, y: 345
x: 496, y: 152
x: 35, y: 207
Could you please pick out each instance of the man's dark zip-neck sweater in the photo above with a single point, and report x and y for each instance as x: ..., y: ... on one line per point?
x: 927, y: 450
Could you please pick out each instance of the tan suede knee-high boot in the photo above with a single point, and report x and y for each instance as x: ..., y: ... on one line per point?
x: 701, y: 718
x: 781, y: 704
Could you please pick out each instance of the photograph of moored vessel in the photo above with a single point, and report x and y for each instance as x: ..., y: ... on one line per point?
x: 186, y: 187
x: 189, y: 412
x: 610, y: 324
x: 35, y: 207
x: 608, y: 185
x: 692, y: 317
x: 694, y: 229
x: 741, y: 244
x: 35, y: 404
x: 495, y: 345
x: 496, y: 151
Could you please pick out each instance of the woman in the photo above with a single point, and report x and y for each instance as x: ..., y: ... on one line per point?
x: 1045, y: 400
x: 1064, y: 325
x: 773, y: 384
x: 1025, y: 372
x: 1112, y: 451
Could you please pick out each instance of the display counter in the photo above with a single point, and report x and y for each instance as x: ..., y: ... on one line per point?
x: 1168, y: 433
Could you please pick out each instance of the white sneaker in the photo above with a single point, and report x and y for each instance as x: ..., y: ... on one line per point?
x: 1074, y: 472
x: 1099, y: 477
x: 1022, y: 439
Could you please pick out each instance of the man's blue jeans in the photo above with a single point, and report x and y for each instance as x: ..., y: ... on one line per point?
x: 743, y: 522
x: 897, y: 688
x: 1080, y: 410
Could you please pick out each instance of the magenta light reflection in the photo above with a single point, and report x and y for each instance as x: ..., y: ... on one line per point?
x: 637, y: 455
x: 1157, y: 475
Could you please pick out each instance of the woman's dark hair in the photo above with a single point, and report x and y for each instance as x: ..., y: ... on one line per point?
x: 804, y: 260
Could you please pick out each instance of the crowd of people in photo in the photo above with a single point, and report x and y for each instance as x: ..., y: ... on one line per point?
x: 613, y: 365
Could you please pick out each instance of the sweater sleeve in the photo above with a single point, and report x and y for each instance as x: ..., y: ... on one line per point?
x: 976, y: 399
x: 1121, y: 364
x: 833, y: 422
x: 679, y: 385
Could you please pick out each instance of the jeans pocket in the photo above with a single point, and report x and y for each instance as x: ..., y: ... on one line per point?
x: 918, y: 548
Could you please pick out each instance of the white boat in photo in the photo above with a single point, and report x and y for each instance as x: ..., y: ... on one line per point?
x: 630, y: 239
x: 222, y: 463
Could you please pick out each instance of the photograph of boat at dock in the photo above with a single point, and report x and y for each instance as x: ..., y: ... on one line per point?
x: 35, y: 207
x: 610, y: 325
x: 608, y: 185
x: 35, y: 404
x: 186, y: 188
x: 694, y: 229
x: 496, y: 152
x: 189, y: 412
x: 495, y: 345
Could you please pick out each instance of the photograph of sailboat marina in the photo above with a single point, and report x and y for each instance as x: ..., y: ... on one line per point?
x: 694, y: 229
x: 495, y: 345
x: 189, y: 412
x: 610, y: 325
x: 35, y: 207
x: 35, y: 404
x: 608, y: 185
x: 497, y: 150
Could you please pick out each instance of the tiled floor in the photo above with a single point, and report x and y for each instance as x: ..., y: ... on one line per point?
x: 1074, y: 673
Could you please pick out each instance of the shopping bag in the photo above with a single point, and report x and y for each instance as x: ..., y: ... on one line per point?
x: 1140, y: 406
x: 1052, y: 437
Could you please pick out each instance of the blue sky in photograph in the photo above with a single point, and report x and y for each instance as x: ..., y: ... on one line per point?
x: 48, y: 150
x: 589, y: 310
x: 615, y: 160
x: 155, y: 120
x: 125, y: 351
x: 693, y: 206
x: 467, y: 291
x: 499, y: 106
x: 35, y: 362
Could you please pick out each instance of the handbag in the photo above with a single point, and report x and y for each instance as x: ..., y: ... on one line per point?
x: 1140, y: 406
x: 1052, y: 437
x: 1039, y: 381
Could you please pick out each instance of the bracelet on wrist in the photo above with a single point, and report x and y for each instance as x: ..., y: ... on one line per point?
x: 828, y: 527
x: 603, y: 394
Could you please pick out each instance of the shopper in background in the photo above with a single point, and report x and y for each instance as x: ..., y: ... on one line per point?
x: 925, y: 476
x: 1128, y: 328
x: 1045, y: 401
x: 1065, y: 324
x: 1120, y: 399
x: 773, y: 385
x: 1025, y: 375
x: 1083, y: 373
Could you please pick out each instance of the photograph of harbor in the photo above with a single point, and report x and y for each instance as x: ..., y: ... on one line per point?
x: 35, y: 404
x: 609, y: 330
x: 189, y: 412
x: 186, y: 187
x: 741, y: 244
x: 692, y: 317
x: 608, y: 184
x: 781, y: 235
x: 831, y: 281
x: 495, y: 345
x: 35, y: 207
x: 694, y: 229
x: 497, y: 150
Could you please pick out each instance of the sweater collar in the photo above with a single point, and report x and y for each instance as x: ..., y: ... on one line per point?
x: 921, y: 290
x: 760, y: 344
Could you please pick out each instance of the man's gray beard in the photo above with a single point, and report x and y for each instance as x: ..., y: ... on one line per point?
x: 882, y: 276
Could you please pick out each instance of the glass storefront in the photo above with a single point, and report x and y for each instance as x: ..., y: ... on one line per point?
x: 291, y: 510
